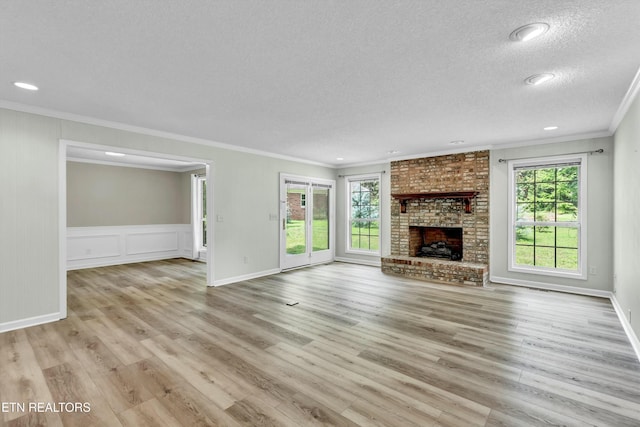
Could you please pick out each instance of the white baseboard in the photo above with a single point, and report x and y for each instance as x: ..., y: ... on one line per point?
x: 551, y: 287
x: 374, y: 263
x: 89, y: 247
x: 30, y: 321
x: 128, y: 260
x: 633, y: 338
x: 249, y: 276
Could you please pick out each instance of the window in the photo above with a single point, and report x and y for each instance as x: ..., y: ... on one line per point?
x: 547, y: 231
x: 202, y: 211
x: 364, y: 214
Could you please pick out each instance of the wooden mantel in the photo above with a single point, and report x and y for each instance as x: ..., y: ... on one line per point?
x: 466, y: 197
x: 447, y: 195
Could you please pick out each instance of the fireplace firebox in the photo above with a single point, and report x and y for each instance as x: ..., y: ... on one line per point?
x: 436, y: 242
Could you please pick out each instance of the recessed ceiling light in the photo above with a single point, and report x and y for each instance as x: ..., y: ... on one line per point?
x: 339, y: 158
x: 111, y: 153
x: 538, y: 79
x: 27, y: 86
x: 528, y: 32
x: 393, y: 152
x: 457, y: 142
x: 551, y: 128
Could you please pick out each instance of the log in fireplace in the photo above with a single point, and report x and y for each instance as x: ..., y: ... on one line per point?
x: 436, y: 242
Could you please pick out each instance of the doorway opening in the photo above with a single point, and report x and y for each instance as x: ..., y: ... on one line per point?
x: 72, y: 150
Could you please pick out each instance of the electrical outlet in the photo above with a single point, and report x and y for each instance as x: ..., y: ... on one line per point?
x: 273, y: 217
x: 593, y: 270
x: 219, y: 218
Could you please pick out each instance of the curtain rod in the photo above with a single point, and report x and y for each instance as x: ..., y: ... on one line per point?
x: 599, y: 150
x: 364, y: 173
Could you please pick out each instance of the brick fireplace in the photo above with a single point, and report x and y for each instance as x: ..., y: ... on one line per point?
x: 437, y: 203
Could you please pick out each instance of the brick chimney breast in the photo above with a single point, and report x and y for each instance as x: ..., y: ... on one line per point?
x: 446, y: 182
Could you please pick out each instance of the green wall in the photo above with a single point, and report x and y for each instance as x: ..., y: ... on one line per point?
x: 626, y: 220
x: 245, y: 189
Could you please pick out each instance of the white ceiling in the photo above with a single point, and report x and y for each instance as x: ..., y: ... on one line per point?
x: 318, y: 80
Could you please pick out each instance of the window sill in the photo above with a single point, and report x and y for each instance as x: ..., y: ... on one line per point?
x: 365, y: 253
x: 549, y: 272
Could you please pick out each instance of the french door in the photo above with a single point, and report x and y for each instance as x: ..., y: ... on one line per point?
x: 307, y: 230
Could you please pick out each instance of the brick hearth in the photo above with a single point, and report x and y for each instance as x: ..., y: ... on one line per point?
x: 443, y: 191
x: 437, y: 270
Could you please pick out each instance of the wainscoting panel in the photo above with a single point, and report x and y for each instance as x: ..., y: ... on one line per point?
x: 149, y: 242
x: 100, y: 246
x: 93, y: 247
x: 186, y: 243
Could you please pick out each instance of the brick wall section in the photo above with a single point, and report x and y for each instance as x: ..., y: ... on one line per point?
x: 297, y: 211
x: 453, y: 172
x: 450, y: 173
x: 294, y: 204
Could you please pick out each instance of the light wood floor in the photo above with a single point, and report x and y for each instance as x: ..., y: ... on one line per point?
x: 149, y: 344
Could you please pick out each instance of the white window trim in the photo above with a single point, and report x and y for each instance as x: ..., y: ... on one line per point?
x: 347, y: 246
x: 581, y: 273
x: 197, y: 214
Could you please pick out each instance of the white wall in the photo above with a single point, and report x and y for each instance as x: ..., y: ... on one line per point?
x: 599, y: 216
x: 104, y: 195
x: 627, y: 215
x: 245, y: 194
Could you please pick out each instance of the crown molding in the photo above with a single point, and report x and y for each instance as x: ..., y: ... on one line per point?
x: 471, y: 148
x: 559, y: 139
x: 629, y: 97
x: 624, y: 106
x: 9, y: 105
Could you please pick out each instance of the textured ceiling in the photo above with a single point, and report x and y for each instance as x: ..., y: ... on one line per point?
x: 319, y: 80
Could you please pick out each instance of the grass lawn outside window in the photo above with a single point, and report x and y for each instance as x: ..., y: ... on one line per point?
x: 296, y: 236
